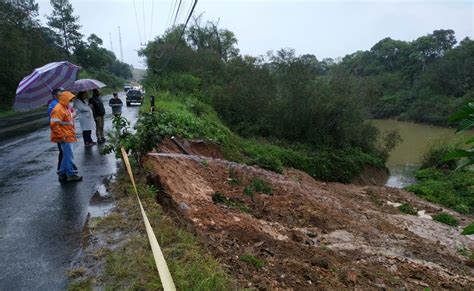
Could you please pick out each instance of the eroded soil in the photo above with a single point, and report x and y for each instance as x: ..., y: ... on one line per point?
x: 308, y: 234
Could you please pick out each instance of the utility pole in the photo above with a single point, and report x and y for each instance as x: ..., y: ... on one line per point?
x: 120, y: 43
x: 111, y: 45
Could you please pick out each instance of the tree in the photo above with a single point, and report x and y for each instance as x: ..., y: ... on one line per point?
x: 66, y: 24
x: 24, y: 45
x: 391, y: 53
x: 209, y: 38
x: 433, y: 46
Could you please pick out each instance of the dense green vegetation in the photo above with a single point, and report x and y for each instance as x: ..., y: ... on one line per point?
x: 288, y: 114
x: 285, y: 95
x: 424, y: 80
x: 190, y: 118
x: 438, y: 182
x: 26, y: 44
x: 446, y: 175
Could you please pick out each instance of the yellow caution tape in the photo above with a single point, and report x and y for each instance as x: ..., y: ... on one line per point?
x: 163, y: 271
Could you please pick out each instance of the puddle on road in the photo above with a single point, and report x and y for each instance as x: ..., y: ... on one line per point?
x: 101, y: 203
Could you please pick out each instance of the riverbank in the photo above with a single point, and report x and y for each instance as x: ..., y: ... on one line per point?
x: 416, y: 140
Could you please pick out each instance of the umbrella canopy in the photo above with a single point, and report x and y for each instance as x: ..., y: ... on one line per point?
x: 86, y: 85
x: 35, y: 89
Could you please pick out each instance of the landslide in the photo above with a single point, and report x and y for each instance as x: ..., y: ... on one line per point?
x: 290, y: 231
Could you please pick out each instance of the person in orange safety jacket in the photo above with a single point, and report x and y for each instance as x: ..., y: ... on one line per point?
x: 64, y: 133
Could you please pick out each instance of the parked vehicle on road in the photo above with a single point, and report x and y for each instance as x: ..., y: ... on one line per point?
x: 134, y: 96
x: 127, y: 87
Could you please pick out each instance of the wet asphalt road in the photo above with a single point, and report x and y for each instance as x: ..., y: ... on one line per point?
x: 41, y: 220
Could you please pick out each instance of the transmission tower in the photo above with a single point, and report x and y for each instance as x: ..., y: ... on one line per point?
x: 120, y: 43
x: 111, y: 45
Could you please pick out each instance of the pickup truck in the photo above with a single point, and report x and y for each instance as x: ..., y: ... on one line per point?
x: 134, y: 96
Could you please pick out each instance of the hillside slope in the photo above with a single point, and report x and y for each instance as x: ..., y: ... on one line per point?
x: 305, y: 234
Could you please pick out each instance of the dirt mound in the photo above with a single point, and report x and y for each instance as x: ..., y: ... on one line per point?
x: 290, y: 231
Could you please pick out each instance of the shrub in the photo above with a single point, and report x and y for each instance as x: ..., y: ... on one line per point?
x: 407, y: 209
x: 468, y: 229
x: 252, y: 260
x: 454, y: 189
x: 434, y: 157
x: 446, y: 219
x: 218, y: 197
x: 260, y: 185
x: 429, y: 173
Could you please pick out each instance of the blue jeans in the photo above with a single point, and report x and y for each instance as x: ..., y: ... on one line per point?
x: 67, y: 164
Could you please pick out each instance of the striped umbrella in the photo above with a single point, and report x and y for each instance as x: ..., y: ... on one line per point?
x: 35, y: 89
x: 86, y: 85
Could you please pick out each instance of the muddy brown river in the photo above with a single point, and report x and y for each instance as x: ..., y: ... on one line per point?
x: 416, y: 140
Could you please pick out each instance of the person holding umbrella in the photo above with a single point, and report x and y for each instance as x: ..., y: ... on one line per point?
x: 64, y: 133
x: 97, y: 106
x: 84, y: 112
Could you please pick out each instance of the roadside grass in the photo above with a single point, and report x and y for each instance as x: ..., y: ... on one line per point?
x: 128, y: 260
x: 189, y: 118
x: 7, y: 113
x: 81, y: 285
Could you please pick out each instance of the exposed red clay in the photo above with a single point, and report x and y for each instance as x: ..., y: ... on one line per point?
x: 310, y: 234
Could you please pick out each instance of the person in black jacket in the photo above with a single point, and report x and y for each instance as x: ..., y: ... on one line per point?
x: 116, y: 105
x: 99, y: 111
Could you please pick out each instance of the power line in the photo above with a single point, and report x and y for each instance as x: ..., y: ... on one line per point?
x: 180, y: 36
x: 144, y: 22
x: 189, y: 8
x: 151, y: 21
x: 171, y: 13
x: 177, y: 12
x: 120, y: 43
x: 111, y: 45
x: 136, y: 18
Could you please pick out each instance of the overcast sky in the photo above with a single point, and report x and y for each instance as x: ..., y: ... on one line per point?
x: 323, y: 28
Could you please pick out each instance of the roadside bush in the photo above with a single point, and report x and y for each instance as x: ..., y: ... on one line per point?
x: 446, y: 219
